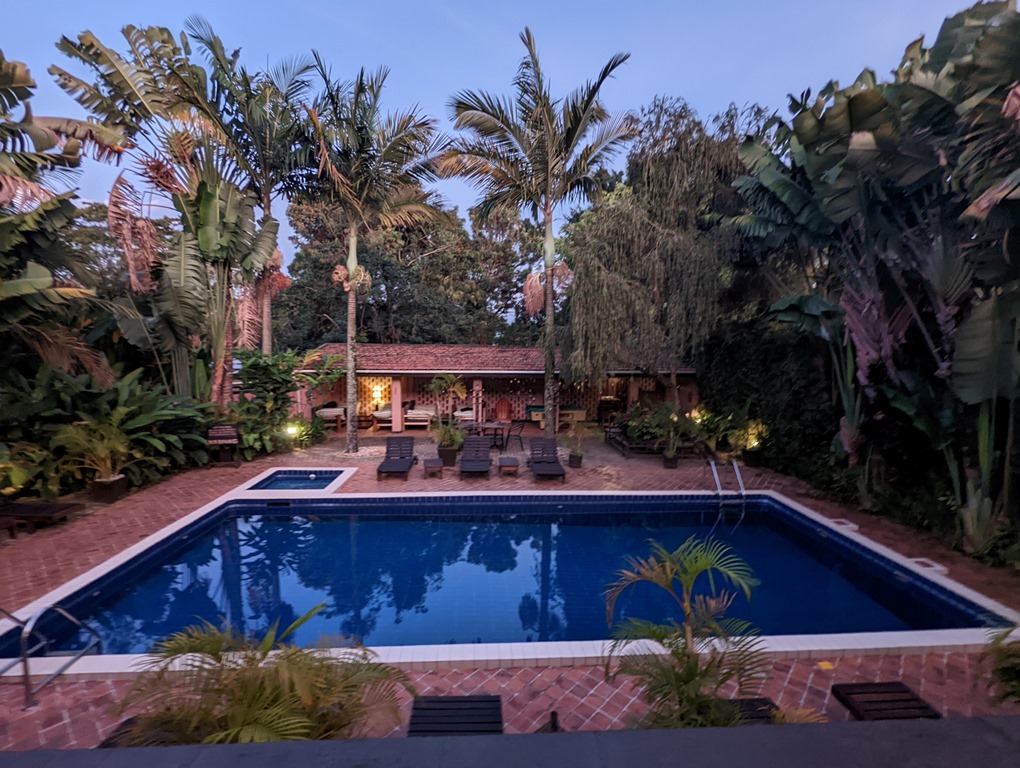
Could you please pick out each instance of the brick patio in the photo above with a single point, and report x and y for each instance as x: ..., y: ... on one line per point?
x: 74, y: 714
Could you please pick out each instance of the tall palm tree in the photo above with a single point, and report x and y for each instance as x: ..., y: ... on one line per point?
x: 534, y: 153
x: 258, y: 116
x: 374, y: 165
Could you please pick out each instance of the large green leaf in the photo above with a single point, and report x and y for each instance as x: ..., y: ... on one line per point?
x: 987, y: 363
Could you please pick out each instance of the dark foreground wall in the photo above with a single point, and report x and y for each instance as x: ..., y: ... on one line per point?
x: 955, y: 743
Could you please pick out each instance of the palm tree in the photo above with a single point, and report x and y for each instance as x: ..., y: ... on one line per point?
x: 534, y: 153
x: 682, y: 681
x: 258, y: 117
x: 160, y: 96
x: 374, y: 165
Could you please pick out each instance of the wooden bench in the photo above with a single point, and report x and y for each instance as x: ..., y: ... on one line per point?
x: 883, y: 701
x: 455, y: 716
x: 223, y: 441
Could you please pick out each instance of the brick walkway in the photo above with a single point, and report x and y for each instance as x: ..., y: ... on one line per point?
x: 75, y: 714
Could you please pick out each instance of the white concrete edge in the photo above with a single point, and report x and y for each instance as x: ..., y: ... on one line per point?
x: 553, y: 653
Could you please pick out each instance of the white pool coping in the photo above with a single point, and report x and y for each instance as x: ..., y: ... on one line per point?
x: 558, y: 653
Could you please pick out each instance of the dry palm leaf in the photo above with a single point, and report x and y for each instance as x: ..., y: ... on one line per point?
x: 135, y: 234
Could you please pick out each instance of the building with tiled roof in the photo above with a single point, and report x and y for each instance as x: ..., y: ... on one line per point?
x: 497, y: 378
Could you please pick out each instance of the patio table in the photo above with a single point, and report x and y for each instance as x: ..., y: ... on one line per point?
x: 497, y: 429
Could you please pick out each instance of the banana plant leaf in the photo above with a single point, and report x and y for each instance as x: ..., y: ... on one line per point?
x: 987, y: 364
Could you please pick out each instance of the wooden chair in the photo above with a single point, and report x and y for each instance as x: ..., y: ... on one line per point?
x: 502, y: 412
x: 544, y: 461
x: 475, y: 458
x: 399, y: 457
x: 223, y: 443
x: 883, y: 701
x: 455, y: 716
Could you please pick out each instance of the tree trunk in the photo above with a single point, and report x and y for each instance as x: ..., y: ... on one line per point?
x: 551, y: 415
x: 551, y: 406
x: 352, y: 322
x: 267, y: 323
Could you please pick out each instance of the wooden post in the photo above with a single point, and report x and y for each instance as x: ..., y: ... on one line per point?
x: 396, y: 397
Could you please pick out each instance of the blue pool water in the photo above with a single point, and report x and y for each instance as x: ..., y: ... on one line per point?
x: 491, y: 569
x: 297, y: 480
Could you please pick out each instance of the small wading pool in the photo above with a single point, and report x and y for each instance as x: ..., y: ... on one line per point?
x: 495, y: 569
x: 296, y: 479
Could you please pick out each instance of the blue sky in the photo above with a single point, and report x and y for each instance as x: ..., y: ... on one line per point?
x: 709, y: 53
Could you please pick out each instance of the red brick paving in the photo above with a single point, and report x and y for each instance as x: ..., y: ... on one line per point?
x: 74, y: 714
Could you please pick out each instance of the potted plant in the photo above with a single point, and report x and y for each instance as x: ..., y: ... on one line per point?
x: 449, y: 438
x: 575, y: 443
x: 101, y: 447
x: 448, y: 384
x: 755, y: 436
x: 676, y: 429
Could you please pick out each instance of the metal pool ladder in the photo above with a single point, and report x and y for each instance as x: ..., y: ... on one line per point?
x: 728, y: 501
x: 28, y: 631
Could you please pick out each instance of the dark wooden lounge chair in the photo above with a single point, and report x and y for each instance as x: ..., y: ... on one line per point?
x: 883, y: 701
x: 756, y: 711
x: 475, y: 456
x: 29, y: 514
x: 10, y: 524
x: 455, y: 716
x: 543, y: 461
x: 399, y: 457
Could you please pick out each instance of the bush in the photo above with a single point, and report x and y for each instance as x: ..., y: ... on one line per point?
x: 162, y: 432
x: 771, y: 375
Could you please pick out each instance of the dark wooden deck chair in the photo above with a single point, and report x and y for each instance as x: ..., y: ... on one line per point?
x: 543, y: 461
x: 883, y: 701
x: 475, y: 458
x: 29, y: 514
x: 399, y: 457
x: 455, y: 716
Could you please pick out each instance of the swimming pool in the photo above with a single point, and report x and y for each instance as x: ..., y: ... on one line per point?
x: 508, y: 573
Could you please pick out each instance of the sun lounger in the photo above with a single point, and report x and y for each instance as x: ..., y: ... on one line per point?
x: 543, y: 461
x: 31, y: 513
x: 399, y: 457
x: 883, y: 701
x: 455, y: 716
x: 475, y: 458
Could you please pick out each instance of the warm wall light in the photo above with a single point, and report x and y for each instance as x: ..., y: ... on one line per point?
x: 377, y: 393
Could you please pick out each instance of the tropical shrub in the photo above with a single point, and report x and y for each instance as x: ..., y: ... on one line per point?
x: 688, y: 662
x: 1004, y: 652
x: 56, y: 419
x: 263, y: 411
x: 208, y: 686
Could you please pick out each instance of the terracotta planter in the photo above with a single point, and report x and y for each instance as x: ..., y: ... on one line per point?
x: 670, y: 462
x: 108, y: 490
x: 448, y: 455
x: 574, y: 460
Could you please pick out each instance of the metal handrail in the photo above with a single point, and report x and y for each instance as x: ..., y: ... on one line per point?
x: 719, y: 494
x: 17, y: 659
x: 28, y: 629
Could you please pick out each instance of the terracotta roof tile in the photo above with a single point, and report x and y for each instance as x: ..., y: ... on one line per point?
x: 442, y: 358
